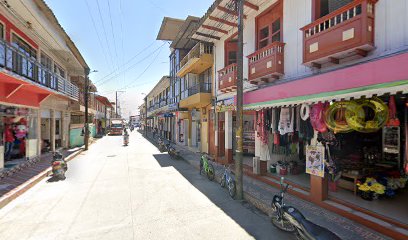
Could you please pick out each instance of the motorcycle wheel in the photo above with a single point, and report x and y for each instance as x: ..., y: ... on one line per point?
x: 222, y: 183
x: 231, y: 188
x: 283, y: 224
x: 211, y: 172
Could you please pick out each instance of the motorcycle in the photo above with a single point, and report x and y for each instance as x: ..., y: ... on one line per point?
x: 289, y: 219
x: 172, y: 151
x: 59, y: 167
x: 125, y: 138
x: 162, y: 145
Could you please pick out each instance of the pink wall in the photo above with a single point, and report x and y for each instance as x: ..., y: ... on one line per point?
x: 381, y: 71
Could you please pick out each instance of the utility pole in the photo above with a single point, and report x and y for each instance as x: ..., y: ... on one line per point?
x: 240, y: 89
x: 145, y: 120
x: 116, y: 105
x: 86, y: 130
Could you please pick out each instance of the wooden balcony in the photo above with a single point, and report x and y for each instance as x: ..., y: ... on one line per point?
x: 198, y: 59
x: 266, y: 64
x: 227, y: 78
x: 342, y: 35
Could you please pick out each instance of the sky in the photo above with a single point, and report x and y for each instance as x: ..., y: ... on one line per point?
x: 117, y: 38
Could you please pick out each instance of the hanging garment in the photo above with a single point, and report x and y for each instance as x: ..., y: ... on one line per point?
x: 297, y: 127
x: 286, y: 121
x: 273, y: 120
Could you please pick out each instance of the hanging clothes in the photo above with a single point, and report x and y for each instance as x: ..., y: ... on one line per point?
x: 286, y: 120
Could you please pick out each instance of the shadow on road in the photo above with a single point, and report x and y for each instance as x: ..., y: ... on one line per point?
x: 248, y: 217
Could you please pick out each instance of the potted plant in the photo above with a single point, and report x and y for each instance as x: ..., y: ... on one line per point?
x: 370, y: 189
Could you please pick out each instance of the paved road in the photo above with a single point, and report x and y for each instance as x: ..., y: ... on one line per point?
x: 134, y: 192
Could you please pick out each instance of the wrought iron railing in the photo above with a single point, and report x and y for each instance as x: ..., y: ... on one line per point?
x: 20, y: 63
x: 198, y: 88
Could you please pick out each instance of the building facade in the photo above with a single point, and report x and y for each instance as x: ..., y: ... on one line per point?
x: 36, y: 64
x: 321, y: 56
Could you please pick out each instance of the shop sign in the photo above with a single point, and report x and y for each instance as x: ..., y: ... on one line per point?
x: 195, y: 115
x: 173, y: 106
x: 315, y: 160
x: 225, y: 105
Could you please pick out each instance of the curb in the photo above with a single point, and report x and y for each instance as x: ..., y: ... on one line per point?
x: 19, y: 190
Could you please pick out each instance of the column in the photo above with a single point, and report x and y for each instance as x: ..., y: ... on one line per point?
x: 40, y: 142
x: 228, y: 136
x: 189, y: 129
x: 216, y: 133
x: 193, y: 133
x: 52, y: 132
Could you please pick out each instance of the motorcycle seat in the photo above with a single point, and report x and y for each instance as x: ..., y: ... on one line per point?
x: 318, y: 232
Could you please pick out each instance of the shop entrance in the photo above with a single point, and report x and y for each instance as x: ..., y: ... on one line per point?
x: 14, y: 130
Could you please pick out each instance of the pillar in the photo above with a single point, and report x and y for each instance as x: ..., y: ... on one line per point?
x: 189, y: 129
x: 215, y: 119
x: 228, y: 137
x: 39, y: 138
x: 52, y: 132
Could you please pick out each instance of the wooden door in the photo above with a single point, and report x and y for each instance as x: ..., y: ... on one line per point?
x: 221, y: 134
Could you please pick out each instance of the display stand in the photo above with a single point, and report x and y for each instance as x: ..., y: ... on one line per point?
x: 391, y: 146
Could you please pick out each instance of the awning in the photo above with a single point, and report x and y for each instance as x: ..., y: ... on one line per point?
x: 385, y: 76
x: 22, y: 93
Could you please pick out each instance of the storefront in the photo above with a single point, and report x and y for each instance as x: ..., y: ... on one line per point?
x: 18, y: 135
x: 340, y: 136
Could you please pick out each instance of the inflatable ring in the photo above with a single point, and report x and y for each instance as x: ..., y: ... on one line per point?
x: 360, y: 123
x: 317, y: 117
x: 304, y: 112
x: 335, y: 112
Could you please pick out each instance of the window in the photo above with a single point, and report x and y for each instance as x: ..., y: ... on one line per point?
x: 324, y: 7
x: 46, y: 61
x: 23, y: 46
x: 268, y: 26
x: 1, y: 31
x: 59, y: 70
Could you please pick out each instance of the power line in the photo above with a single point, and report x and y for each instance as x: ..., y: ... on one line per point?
x: 113, y: 31
x: 128, y: 61
x: 104, y: 31
x: 131, y: 66
x: 139, y: 76
x: 96, y: 30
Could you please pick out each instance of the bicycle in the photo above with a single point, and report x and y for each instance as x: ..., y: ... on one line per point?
x: 228, y: 181
x: 207, y: 167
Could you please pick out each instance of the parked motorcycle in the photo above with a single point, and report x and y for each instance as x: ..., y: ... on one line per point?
x: 289, y: 219
x: 172, y: 151
x: 59, y: 167
x: 162, y: 145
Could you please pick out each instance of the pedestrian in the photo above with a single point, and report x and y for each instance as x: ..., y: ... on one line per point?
x: 8, y: 142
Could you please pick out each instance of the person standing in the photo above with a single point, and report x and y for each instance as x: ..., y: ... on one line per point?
x: 8, y: 142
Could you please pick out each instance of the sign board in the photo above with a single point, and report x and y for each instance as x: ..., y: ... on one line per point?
x: 225, y: 105
x: 315, y: 160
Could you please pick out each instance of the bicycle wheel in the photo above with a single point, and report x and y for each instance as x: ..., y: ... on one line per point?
x: 222, y: 183
x: 201, y: 166
x: 211, y: 172
x: 282, y: 223
x: 231, y: 188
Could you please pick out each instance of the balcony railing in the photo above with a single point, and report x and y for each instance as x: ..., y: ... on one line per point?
x: 18, y: 62
x: 198, y: 59
x: 347, y: 31
x: 266, y: 64
x: 198, y: 88
x: 227, y: 78
x: 198, y: 50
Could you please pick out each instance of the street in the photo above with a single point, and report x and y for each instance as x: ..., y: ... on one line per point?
x: 134, y: 192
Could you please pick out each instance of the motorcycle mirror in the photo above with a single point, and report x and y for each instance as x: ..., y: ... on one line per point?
x: 281, y: 180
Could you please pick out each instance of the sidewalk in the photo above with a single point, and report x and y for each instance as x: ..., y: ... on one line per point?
x: 260, y: 195
x: 14, y: 181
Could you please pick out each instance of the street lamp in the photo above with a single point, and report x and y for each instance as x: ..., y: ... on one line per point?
x: 86, y: 131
